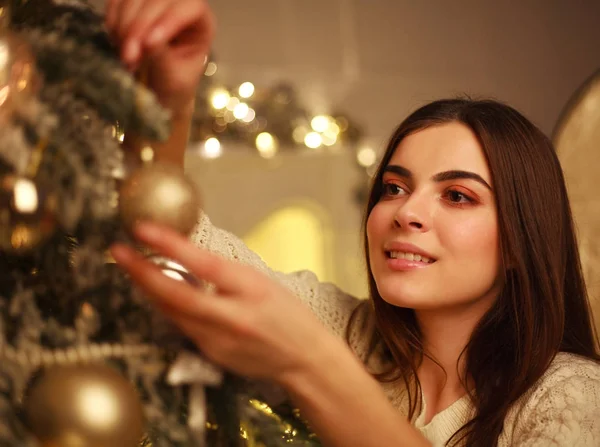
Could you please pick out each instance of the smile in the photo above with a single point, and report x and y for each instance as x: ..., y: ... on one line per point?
x: 409, y: 256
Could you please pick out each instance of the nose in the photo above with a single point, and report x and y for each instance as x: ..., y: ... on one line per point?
x: 414, y: 214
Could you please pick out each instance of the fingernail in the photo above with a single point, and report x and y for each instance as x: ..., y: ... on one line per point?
x: 147, y: 230
x: 155, y: 37
x: 132, y: 52
x: 120, y: 253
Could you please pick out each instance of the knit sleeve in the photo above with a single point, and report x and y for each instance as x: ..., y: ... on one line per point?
x: 564, y: 412
x: 331, y: 305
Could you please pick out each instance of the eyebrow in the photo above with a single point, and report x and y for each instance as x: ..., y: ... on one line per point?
x: 454, y: 174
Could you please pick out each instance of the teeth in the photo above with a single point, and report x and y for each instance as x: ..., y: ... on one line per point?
x: 409, y: 256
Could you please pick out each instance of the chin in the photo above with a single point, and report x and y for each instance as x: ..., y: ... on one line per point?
x: 408, y: 297
x: 412, y: 303
x: 423, y: 296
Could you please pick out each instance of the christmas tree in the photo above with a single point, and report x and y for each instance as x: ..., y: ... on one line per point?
x: 84, y: 361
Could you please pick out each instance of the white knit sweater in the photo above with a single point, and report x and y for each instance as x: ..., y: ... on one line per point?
x: 561, y: 410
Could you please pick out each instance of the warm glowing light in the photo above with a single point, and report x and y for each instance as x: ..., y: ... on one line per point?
x: 240, y: 110
x: 333, y: 128
x: 268, y: 153
x: 147, y: 154
x: 246, y: 90
x: 212, y: 148
x: 220, y: 99
x: 250, y: 115
x: 228, y: 117
x: 366, y: 157
x: 25, y: 196
x: 342, y: 123
x: 313, y: 140
x: 211, y: 69
x: 266, y: 144
x: 330, y: 136
x: 299, y: 133
x: 329, y: 139
x: 233, y: 101
x: 264, y: 139
x: 320, y: 123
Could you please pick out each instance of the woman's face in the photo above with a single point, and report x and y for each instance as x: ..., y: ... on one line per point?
x: 433, y: 235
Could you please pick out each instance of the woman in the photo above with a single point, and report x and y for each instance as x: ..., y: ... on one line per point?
x: 477, y: 330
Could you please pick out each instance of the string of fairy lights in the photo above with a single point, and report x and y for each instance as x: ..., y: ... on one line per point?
x: 269, y: 120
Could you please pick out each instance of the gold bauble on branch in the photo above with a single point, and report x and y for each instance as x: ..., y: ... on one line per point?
x: 84, y: 406
x: 27, y: 215
x: 160, y: 193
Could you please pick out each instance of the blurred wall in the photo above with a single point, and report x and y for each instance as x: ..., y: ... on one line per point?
x: 246, y: 195
x: 379, y: 59
x: 376, y: 60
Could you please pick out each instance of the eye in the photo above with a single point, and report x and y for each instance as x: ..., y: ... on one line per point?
x: 392, y: 190
x: 458, y: 198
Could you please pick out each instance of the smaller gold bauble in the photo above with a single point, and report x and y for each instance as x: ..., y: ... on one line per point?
x: 27, y: 214
x: 84, y: 405
x: 160, y: 193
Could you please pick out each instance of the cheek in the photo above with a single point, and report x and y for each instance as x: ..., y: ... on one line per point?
x: 374, y: 229
x: 376, y: 223
x: 474, y: 238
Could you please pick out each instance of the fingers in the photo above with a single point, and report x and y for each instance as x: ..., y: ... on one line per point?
x: 201, y: 317
x: 184, y: 17
x: 112, y: 13
x: 128, y: 13
x: 123, y: 17
x: 138, y: 29
x: 229, y: 277
x: 152, y: 24
x: 166, y: 292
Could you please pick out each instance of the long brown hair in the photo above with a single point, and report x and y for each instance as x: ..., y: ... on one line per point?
x: 543, y: 307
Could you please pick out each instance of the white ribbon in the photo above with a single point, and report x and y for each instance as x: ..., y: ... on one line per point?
x: 191, y: 369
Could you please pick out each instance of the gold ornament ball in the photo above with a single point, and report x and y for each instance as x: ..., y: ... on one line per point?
x: 84, y: 406
x: 160, y: 193
x: 27, y: 214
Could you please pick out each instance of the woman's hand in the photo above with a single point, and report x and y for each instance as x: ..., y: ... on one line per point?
x: 256, y: 328
x: 250, y: 325
x: 168, y: 39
